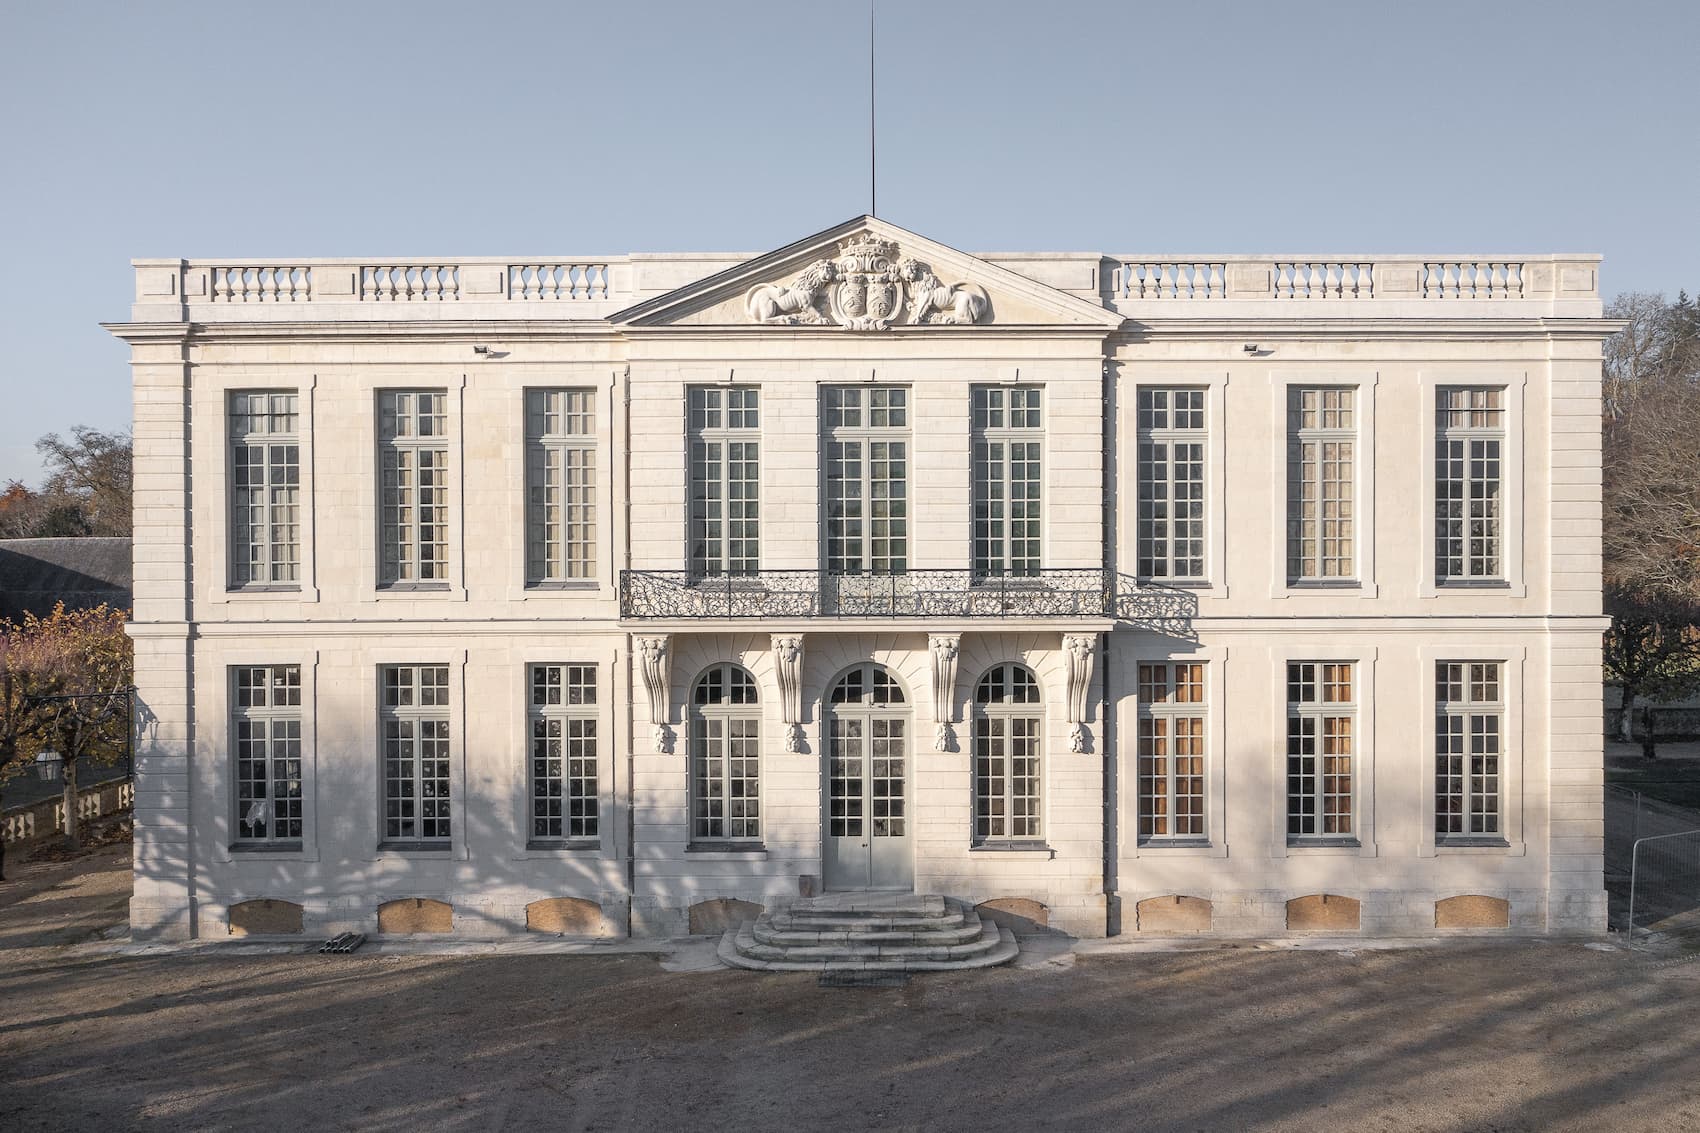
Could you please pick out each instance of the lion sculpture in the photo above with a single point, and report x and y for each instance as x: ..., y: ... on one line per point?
x: 932, y: 301
x: 792, y: 303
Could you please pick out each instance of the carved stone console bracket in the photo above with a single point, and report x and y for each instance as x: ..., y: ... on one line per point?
x: 788, y: 663
x: 655, y: 661
x: 944, y: 648
x: 1082, y: 650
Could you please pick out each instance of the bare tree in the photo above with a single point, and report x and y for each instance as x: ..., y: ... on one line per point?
x: 1652, y: 501
x: 92, y: 470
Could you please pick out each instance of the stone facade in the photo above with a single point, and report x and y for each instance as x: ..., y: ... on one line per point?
x: 865, y: 306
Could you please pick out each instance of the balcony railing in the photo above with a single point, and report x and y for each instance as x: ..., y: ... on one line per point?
x: 914, y: 594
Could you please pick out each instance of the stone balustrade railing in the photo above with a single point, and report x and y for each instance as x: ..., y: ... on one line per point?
x: 1133, y: 279
x: 40, y: 819
x: 594, y: 287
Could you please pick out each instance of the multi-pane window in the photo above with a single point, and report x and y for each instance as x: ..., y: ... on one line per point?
x: 1171, y: 750
x: 564, y: 801
x: 413, y: 487
x: 725, y: 757
x: 1321, y: 721
x: 414, y: 725
x: 867, y: 480
x: 1009, y: 725
x: 1007, y: 478
x: 265, y: 731
x: 1468, y: 485
x: 1469, y: 729
x: 1321, y: 484
x: 265, y: 489
x: 560, y: 485
x: 725, y: 456
x: 1171, y: 440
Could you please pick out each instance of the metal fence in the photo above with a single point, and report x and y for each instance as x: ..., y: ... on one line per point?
x: 1664, y: 884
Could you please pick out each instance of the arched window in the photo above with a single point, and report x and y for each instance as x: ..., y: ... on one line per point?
x: 1009, y: 726
x: 725, y: 757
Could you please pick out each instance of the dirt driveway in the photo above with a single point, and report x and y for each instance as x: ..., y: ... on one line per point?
x: 1461, y: 1036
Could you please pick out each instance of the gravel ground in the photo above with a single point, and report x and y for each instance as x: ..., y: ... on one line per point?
x: 1464, y: 1035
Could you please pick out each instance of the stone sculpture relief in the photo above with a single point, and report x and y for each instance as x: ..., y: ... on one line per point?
x: 791, y: 304
x: 867, y: 287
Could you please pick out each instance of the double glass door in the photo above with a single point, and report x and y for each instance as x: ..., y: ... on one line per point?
x: 865, y: 840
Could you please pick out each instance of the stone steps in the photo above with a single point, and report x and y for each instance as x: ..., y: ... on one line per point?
x: 867, y: 933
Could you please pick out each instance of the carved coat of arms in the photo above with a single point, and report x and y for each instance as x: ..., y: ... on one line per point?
x: 866, y: 287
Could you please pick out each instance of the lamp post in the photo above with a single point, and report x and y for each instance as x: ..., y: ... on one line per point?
x: 48, y: 765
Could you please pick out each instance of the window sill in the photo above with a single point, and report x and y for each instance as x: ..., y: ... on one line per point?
x: 410, y: 588
x: 1455, y: 585
x: 572, y: 586
x: 281, y: 851
x: 430, y: 848
x: 1301, y: 585
x: 1174, y: 844
x: 564, y: 846
x: 1324, y: 844
x: 1035, y: 848
x: 262, y: 591
x: 726, y: 852
x: 1448, y: 845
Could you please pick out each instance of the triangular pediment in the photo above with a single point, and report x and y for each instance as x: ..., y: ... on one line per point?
x: 866, y: 275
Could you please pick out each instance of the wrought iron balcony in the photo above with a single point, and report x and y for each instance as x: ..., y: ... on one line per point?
x: 1062, y: 593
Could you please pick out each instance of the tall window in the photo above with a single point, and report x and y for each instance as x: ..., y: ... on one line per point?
x: 1321, y: 484
x: 1468, y: 532
x: 725, y: 446
x: 867, y: 480
x: 1007, y: 478
x: 560, y: 483
x: 265, y: 732
x: 1468, y: 730
x: 1321, y: 719
x: 265, y: 489
x: 564, y: 798
x: 1009, y: 725
x: 413, y: 498
x: 1171, y: 750
x: 1171, y: 439
x: 725, y: 757
x: 414, y: 724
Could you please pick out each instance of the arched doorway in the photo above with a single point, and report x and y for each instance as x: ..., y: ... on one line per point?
x: 866, y: 822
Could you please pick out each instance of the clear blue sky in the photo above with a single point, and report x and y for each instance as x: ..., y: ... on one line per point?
x: 359, y: 127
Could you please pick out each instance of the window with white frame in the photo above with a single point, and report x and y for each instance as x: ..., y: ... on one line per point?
x: 1008, y: 477
x: 1171, y: 441
x: 725, y: 757
x: 265, y: 739
x: 565, y: 803
x: 265, y: 489
x: 1469, y: 729
x: 1468, y: 485
x: 867, y: 479
x: 413, y: 487
x: 414, y: 729
x: 1321, y: 725
x: 725, y: 467
x: 1171, y: 750
x: 560, y: 484
x: 1321, y: 484
x: 1009, y: 729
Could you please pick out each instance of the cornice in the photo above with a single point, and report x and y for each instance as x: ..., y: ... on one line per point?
x: 1289, y: 329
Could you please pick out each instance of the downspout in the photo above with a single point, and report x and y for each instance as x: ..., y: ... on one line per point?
x: 622, y: 378
x: 1107, y: 725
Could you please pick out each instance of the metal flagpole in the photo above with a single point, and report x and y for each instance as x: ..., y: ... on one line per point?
x: 873, y: 176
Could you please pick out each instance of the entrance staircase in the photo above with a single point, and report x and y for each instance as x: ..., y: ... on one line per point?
x: 868, y: 932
